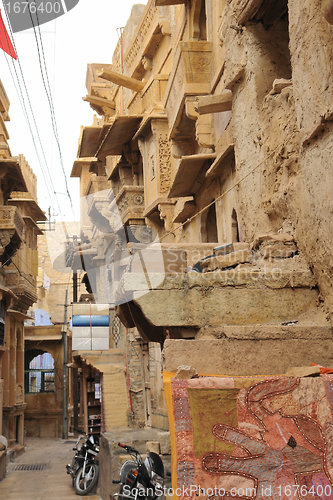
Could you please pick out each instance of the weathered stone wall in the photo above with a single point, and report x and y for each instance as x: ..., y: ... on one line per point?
x: 251, y: 351
x: 311, y: 58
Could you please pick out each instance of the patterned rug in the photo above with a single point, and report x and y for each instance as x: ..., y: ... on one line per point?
x: 251, y: 437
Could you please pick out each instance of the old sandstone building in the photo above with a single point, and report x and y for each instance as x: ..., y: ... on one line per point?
x: 19, y: 213
x: 205, y: 191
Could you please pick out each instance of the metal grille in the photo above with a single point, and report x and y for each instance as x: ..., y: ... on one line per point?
x: 116, y: 330
x: 30, y: 467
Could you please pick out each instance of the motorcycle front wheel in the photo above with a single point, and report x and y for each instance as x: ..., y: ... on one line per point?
x: 83, y: 484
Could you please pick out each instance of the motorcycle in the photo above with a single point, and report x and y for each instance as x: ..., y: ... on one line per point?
x: 140, y: 479
x: 84, y: 468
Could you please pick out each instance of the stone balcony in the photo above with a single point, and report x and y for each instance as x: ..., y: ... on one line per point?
x: 149, y: 99
x: 11, y: 230
x: 24, y: 287
x: 153, y: 27
x: 191, y: 76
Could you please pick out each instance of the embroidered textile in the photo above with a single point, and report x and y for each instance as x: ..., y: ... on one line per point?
x: 251, y: 437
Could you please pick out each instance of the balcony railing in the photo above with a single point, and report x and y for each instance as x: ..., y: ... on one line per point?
x: 153, y: 27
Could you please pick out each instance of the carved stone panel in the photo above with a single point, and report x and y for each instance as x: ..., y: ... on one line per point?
x: 191, y: 75
x: 156, y: 153
x: 128, y: 206
x: 164, y: 160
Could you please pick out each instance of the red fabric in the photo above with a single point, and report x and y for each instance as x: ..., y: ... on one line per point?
x: 322, y: 368
x: 5, y: 42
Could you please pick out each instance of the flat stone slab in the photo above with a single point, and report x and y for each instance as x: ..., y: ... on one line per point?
x: 229, y: 305
x: 246, y: 357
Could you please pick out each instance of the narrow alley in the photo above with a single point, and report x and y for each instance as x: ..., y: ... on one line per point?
x: 49, y: 481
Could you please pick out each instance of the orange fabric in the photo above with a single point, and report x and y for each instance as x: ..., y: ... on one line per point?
x: 323, y: 369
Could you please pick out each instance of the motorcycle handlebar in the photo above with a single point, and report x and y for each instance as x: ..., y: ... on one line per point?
x: 127, y: 448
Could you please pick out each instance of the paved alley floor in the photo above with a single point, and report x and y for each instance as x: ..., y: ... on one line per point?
x: 51, y: 483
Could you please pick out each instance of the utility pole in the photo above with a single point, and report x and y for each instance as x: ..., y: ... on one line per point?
x: 65, y: 393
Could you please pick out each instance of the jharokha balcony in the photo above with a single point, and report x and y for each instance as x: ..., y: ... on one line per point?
x: 11, y: 231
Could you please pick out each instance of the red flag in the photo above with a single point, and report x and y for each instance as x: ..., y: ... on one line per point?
x: 5, y: 43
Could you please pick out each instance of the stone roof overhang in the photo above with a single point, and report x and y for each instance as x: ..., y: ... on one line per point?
x: 30, y: 222
x: 82, y: 162
x: 8, y: 293
x: 17, y: 314
x: 37, y: 212
x: 188, y: 170
x: 14, y: 174
x: 102, y: 141
x: 119, y: 133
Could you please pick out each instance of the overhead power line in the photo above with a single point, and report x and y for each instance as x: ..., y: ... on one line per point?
x: 49, y: 96
x: 26, y: 114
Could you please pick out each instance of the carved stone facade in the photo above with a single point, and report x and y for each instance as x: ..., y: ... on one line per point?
x: 228, y: 138
x: 19, y: 212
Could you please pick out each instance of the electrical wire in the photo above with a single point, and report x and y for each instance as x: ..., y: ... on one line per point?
x: 25, y: 113
x: 33, y: 118
x: 49, y: 97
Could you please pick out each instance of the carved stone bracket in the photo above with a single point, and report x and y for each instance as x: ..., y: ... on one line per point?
x: 147, y: 63
x: 190, y: 107
x: 214, y: 103
x: 204, y: 132
x: 166, y: 210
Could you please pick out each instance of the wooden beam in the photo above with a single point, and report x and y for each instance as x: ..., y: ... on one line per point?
x: 121, y: 80
x: 162, y: 3
x: 214, y: 103
x: 99, y: 101
x: 246, y: 9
